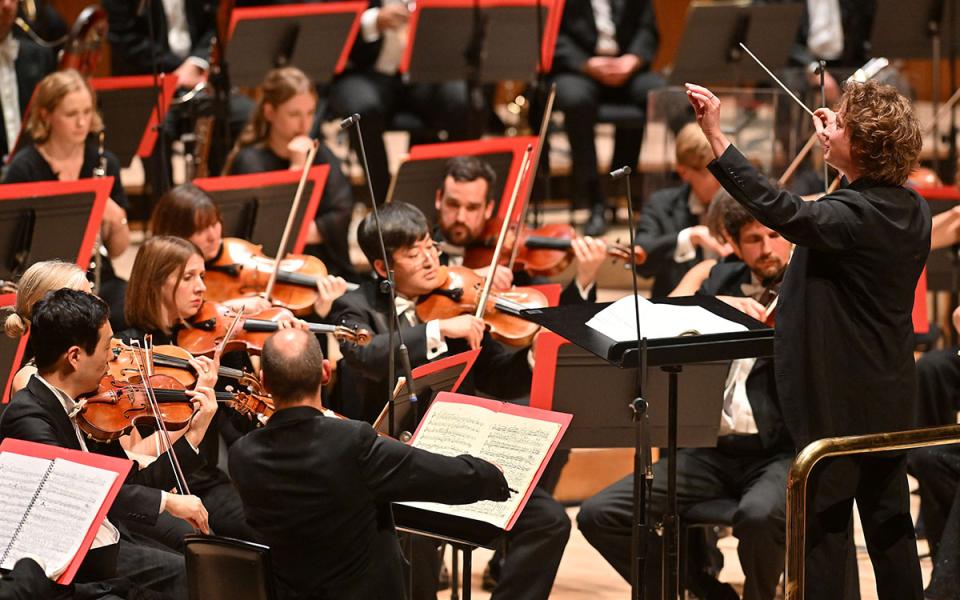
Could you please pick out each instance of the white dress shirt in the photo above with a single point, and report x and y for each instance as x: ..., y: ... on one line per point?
x: 606, y: 29
x: 436, y: 344
x: 394, y: 40
x: 9, y: 92
x: 737, y: 416
x: 178, y: 33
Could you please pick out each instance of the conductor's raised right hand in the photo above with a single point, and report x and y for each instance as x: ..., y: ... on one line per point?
x: 190, y: 509
x: 465, y: 327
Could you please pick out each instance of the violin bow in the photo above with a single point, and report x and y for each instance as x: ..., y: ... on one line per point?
x: 488, y: 281
x: 140, y: 358
x: 525, y: 207
x: 231, y: 331
x: 311, y: 154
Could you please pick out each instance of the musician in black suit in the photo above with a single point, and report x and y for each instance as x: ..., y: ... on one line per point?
x: 844, y: 335
x: 23, y: 63
x: 603, y: 54
x: 672, y: 227
x: 536, y: 542
x: 182, y: 32
x: 372, y: 87
x: 70, y: 337
x: 754, y: 450
x: 465, y: 205
x: 317, y: 488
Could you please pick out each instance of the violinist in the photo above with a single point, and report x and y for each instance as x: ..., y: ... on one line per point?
x: 277, y: 139
x: 61, y: 120
x: 70, y: 337
x: 188, y: 212
x: 844, y: 335
x: 465, y: 206
x: 537, y: 540
x: 754, y: 452
x: 36, y: 281
x: 166, y: 290
x: 672, y: 228
x: 317, y: 489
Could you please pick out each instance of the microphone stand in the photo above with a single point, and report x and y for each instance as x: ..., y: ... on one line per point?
x: 387, y: 286
x: 146, y: 8
x: 642, y: 461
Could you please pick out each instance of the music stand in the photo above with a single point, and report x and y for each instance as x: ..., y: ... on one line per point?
x: 44, y: 221
x: 317, y: 38
x: 421, y: 174
x: 441, y: 31
x: 709, y: 50
x: 253, y: 206
x: 442, y: 375
x: 672, y: 356
x: 128, y: 107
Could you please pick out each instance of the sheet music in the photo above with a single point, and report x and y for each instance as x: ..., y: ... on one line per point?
x: 62, y: 513
x: 619, y: 323
x: 20, y: 476
x: 516, y: 444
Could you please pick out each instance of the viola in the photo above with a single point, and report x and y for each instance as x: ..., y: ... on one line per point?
x: 207, y: 329
x: 459, y: 293
x: 121, y: 405
x: 242, y: 270
x: 542, y: 251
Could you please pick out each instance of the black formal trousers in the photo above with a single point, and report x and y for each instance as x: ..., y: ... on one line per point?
x: 376, y: 97
x: 578, y: 97
x: 938, y: 471
x: 879, y: 485
x: 757, y: 480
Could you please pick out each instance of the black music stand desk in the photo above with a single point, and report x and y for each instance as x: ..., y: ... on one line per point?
x: 709, y: 51
x: 441, y: 32
x: 672, y: 355
x: 317, y: 38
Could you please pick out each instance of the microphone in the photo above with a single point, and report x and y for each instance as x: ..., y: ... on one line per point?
x: 349, y: 121
x: 621, y: 172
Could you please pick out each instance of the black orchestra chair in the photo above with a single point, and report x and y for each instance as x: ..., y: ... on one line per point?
x: 222, y: 568
x: 704, y: 515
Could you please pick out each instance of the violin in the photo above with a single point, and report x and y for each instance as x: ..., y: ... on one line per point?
x: 207, y: 329
x: 242, y: 269
x: 544, y: 251
x: 459, y: 293
x: 172, y: 361
x: 121, y: 405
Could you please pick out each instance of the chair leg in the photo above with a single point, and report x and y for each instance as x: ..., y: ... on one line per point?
x: 454, y: 573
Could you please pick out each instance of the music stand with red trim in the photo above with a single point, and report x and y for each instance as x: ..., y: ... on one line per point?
x: 255, y: 206
x: 317, y: 38
x: 43, y: 221
x: 128, y: 107
x: 441, y: 30
x: 442, y: 375
x: 420, y: 174
x: 921, y: 320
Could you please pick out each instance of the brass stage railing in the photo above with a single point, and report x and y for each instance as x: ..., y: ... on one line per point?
x: 841, y: 446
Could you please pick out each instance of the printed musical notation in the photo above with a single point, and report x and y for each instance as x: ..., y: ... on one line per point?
x: 518, y: 445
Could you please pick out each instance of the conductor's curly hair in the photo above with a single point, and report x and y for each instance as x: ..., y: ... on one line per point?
x: 885, y: 137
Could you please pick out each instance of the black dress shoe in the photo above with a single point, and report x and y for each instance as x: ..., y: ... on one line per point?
x: 597, y: 223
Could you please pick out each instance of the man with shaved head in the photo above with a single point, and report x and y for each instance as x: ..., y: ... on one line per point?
x: 317, y: 489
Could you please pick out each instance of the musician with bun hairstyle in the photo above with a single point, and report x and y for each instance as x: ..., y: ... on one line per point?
x: 844, y: 334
